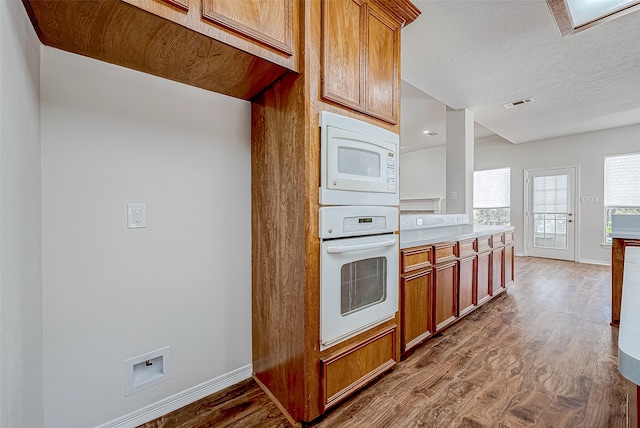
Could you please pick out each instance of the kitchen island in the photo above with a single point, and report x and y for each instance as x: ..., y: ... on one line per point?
x: 448, y: 269
x: 625, y: 233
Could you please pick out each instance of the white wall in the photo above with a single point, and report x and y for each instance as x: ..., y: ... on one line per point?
x: 423, y: 173
x: 20, y: 222
x: 112, y: 136
x: 585, y: 150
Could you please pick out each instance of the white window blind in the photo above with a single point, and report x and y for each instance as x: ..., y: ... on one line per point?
x: 622, y: 181
x: 492, y: 188
x: 550, y: 194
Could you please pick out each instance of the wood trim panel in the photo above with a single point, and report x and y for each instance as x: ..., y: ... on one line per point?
x: 508, y: 237
x: 484, y: 267
x: 415, y: 258
x: 402, y: 11
x: 381, y: 62
x: 350, y: 369
x: 183, y: 5
x: 618, y: 247
x: 509, y: 267
x: 467, y: 288
x: 443, y: 252
x: 343, y: 52
x: 484, y: 243
x: 497, y: 274
x: 416, y: 308
x: 445, y: 294
x: 250, y: 14
x: 466, y: 247
x: 497, y: 240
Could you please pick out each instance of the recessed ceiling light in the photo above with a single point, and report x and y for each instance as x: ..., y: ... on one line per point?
x: 430, y: 133
x: 518, y: 103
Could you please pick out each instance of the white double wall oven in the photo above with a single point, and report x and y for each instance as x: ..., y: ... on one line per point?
x: 358, y: 219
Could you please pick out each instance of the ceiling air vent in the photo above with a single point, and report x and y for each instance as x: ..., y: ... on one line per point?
x: 518, y: 103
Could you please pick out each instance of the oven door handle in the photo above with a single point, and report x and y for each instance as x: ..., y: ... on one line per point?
x: 359, y: 247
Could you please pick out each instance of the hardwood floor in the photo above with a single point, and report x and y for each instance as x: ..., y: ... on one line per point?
x: 541, y: 355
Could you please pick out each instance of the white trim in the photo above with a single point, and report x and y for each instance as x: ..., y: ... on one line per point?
x: 519, y: 254
x: 594, y: 262
x: 181, y: 399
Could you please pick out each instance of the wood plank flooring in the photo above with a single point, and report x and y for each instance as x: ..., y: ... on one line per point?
x: 541, y: 355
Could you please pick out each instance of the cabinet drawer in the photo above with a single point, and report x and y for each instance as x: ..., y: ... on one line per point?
x: 443, y: 252
x: 350, y: 369
x: 484, y: 243
x: 465, y: 248
x: 497, y: 240
x: 416, y: 258
x: 508, y: 237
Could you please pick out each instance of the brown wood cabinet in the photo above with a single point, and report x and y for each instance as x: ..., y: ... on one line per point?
x: 484, y: 267
x: 445, y: 280
x: 618, y: 246
x: 361, y: 56
x: 416, y: 297
x: 497, y: 257
x: 467, y: 288
x: 236, y: 48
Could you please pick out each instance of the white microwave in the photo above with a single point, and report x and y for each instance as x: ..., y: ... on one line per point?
x: 359, y: 162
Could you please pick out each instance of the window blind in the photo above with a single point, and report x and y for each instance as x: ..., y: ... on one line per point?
x: 550, y: 194
x: 492, y: 188
x: 622, y: 181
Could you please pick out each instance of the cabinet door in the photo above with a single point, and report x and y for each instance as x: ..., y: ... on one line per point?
x: 466, y: 285
x: 416, y: 308
x: 497, y: 274
x: 508, y: 265
x: 446, y: 299
x: 342, y: 56
x: 483, y: 277
x: 268, y: 23
x: 381, y: 68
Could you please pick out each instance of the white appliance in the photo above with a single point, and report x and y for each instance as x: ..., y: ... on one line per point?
x: 358, y: 270
x: 359, y: 162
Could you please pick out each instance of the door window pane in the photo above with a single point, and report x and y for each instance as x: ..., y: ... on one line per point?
x: 363, y: 284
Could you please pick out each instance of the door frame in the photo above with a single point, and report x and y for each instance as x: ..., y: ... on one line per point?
x: 576, y: 203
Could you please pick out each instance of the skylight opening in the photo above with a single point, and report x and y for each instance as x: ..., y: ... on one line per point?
x: 585, y: 11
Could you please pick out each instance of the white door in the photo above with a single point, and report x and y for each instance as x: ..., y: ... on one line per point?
x: 550, y: 213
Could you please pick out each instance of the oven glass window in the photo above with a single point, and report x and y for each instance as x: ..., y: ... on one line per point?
x: 363, y: 284
x: 358, y: 162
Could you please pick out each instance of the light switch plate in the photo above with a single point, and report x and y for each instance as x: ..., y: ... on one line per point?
x: 136, y: 216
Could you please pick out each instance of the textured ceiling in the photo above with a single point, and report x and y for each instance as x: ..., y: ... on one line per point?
x: 479, y: 54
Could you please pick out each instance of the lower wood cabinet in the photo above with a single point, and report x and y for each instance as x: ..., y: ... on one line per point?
x: 416, y: 291
x: 484, y: 268
x: 508, y: 265
x: 466, y: 285
x: 351, y: 368
x: 445, y: 279
x: 497, y: 274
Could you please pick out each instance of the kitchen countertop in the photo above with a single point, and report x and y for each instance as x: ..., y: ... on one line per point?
x: 629, y: 335
x: 625, y: 226
x: 425, y: 236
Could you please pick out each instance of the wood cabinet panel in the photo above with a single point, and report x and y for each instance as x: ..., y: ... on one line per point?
x: 348, y: 370
x: 266, y: 22
x: 444, y: 252
x: 509, y: 260
x: 508, y: 237
x: 446, y: 300
x: 483, y: 277
x: 343, y: 62
x: 618, y: 246
x: 416, y: 308
x: 484, y: 243
x: 497, y: 240
x: 466, y: 285
x: 381, y: 67
x: 497, y: 274
x: 416, y: 258
x: 465, y: 248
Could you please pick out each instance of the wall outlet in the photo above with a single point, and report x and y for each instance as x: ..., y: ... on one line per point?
x: 418, y: 222
x: 136, y: 216
x: 590, y: 199
x: 454, y: 195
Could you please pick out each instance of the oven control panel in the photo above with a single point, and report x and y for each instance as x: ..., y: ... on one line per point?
x: 344, y: 221
x: 356, y: 224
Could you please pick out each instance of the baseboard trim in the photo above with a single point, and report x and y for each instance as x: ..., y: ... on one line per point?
x: 518, y: 254
x: 594, y: 262
x: 181, y: 399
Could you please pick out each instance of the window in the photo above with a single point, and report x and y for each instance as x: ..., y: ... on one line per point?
x: 621, y: 188
x: 492, y: 197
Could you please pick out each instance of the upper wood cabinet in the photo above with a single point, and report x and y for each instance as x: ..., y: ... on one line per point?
x: 361, y: 55
x: 237, y: 48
